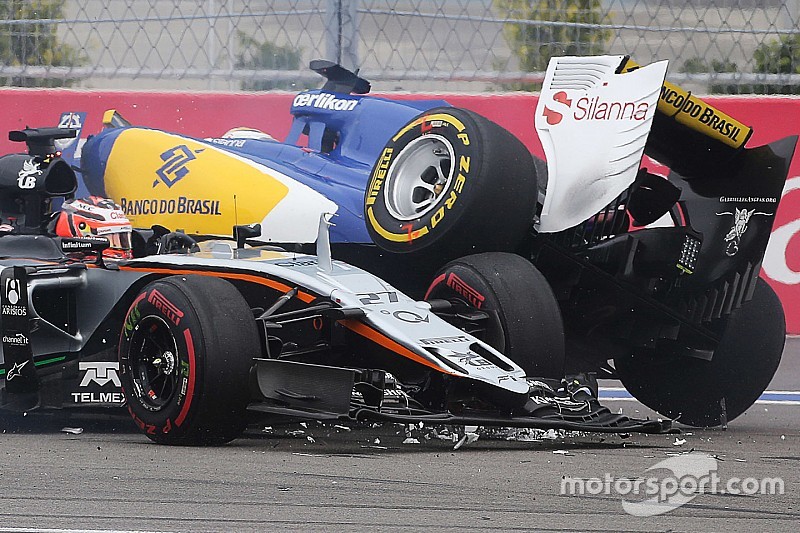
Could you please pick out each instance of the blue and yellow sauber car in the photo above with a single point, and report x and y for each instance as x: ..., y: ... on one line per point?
x: 594, y: 262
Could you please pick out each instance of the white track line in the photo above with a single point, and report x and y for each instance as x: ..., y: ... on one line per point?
x: 770, y: 397
x: 47, y: 530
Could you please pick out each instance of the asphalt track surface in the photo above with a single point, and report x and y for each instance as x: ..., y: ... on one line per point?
x: 110, y: 478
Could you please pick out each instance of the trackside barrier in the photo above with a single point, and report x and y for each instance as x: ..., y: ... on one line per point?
x: 211, y: 114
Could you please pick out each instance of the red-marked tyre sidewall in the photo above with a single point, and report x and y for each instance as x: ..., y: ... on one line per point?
x: 185, y: 353
x: 487, y: 204
x: 524, y: 318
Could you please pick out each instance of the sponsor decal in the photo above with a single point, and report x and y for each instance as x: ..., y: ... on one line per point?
x: 11, y: 296
x: 182, y: 205
x: 597, y: 109
x: 740, y: 219
x: 70, y: 120
x: 680, y: 103
x: 14, y: 310
x: 554, y: 117
x: 696, y: 114
x: 75, y: 245
x: 18, y: 339
x: 473, y: 297
x: 593, y: 108
x: 410, y: 317
x: 233, y: 143
x: 16, y: 370
x: 27, y: 174
x: 83, y: 243
x: 71, y: 147
x: 12, y: 291
x: 167, y: 308
x: 199, y: 198
x: 379, y: 176
x: 471, y: 359
x: 444, y: 340
x: 327, y: 101
x: 174, y: 168
x: 100, y: 372
x: 748, y: 199
x: 98, y: 397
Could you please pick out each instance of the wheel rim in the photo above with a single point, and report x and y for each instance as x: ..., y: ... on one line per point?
x: 421, y: 173
x: 153, y: 360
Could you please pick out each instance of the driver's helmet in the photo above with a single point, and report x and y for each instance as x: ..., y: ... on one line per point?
x: 97, y: 217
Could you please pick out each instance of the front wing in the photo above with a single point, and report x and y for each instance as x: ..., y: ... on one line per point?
x: 319, y: 392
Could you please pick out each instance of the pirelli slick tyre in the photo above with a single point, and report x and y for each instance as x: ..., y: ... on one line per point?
x: 693, y: 391
x: 524, y: 318
x: 185, y: 354
x: 451, y: 183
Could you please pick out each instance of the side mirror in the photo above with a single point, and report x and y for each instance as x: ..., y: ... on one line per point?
x: 243, y: 232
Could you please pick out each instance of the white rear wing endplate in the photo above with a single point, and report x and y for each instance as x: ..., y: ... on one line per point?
x: 593, y: 125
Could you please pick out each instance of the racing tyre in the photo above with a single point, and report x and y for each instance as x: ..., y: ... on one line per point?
x: 451, y: 183
x: 524, y: 318
x: 693, y: 391
x: 185, y: 355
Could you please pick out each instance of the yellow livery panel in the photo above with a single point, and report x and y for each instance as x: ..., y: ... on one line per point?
x: 180, y: 183
x: 694, y: 113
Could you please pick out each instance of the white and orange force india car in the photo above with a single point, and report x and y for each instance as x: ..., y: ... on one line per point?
x: 600, y: 260
x: 198, y: 344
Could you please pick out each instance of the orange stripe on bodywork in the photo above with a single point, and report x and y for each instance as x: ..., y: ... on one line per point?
x: 379, y: 338
x: 277, y: 285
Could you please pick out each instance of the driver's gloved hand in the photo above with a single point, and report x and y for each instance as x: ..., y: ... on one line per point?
x: 163, y: 241
x: 176, y: 242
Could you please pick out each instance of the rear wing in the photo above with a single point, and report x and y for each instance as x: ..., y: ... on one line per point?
x: 687, y: 110
x: 689, y: 135
x: 593, y: 121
